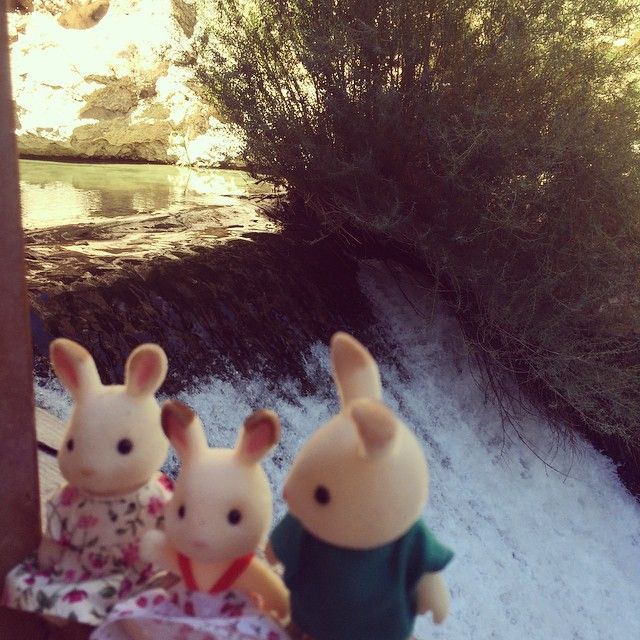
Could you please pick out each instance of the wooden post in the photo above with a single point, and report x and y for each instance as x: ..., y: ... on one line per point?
x: 19, y: 499
x: 19, y: 496
x: 20, y: 528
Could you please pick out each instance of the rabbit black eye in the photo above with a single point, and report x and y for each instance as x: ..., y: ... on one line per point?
x: 124, y: 446
x: 70, y: 444
x: 322, y: 495
x: 181, y: 511
x: 234, y: 516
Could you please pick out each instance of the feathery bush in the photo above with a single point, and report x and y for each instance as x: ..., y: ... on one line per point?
x: 494, y: 140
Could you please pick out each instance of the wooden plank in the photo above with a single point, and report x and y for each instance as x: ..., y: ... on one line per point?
x: 50, y: 432
x: 20, y: 512
x: 50, y: 429
x: 50, y: 479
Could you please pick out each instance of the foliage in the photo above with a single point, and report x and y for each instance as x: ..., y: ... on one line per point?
x: 495, y: 140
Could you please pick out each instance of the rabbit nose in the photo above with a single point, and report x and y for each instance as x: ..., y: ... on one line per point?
x: 84, y: 472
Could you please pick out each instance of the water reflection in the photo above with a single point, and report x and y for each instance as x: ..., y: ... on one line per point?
x: 56, y: 193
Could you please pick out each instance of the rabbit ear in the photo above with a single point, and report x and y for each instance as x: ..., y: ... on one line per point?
x: 354, y: 370
x: 376, y: 425
x: 184, y: 430
x: 260, y: 432
x: 74, y: 367
x: 145, y: 370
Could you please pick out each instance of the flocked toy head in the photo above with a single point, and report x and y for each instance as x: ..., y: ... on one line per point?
x: 361, y: 480
x: 221, y: 506
x: 114, y: 441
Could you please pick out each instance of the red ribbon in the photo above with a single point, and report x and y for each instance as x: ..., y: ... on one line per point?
x: 226, y: 580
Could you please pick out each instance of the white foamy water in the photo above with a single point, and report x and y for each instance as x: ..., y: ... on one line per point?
x: 540, y: 554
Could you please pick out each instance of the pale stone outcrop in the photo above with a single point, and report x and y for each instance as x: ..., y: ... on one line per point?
x: 84, y: 16
x: 116, y: 90
x: 54, y: 7
x: 19, y: 5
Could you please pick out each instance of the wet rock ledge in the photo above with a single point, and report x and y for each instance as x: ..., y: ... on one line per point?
x: 251, y: 303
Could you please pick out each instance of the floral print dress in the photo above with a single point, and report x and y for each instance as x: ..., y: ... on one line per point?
x: 180, y: 614
x: 183, y: 612
x: 99, y: 563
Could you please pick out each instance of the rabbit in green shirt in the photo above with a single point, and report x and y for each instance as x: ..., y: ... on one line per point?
x: 359, y: 563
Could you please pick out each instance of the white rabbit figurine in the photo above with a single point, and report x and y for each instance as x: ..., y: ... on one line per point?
x: 219, y: 513
x: 110, y: 456
x: 358, y: 560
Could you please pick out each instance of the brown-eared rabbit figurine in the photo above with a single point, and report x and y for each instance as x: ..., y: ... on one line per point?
x: 359, y: 562
x: 110, y: 455
x: 219, y: 514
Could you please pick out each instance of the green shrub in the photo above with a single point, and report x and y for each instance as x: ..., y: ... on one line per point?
x: 496, y: 141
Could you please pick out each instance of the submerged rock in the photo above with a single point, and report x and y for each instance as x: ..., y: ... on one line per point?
x: 106, y: 80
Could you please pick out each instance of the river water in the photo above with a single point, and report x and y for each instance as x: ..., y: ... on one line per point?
x: 122, y: 254
x: 134, y: 202
x: 59, y: 193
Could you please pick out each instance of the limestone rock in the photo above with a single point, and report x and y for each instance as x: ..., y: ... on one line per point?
x: 143, y: 140
x: 16, y: 24
x: 184, y: 12
x: 53, y: 7
x: 114, y: 99
x: 24, y: 6
x: 84, y: 16
x: 118, y: 90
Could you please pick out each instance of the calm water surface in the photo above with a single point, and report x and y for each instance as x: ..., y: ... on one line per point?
x: 61, y: 193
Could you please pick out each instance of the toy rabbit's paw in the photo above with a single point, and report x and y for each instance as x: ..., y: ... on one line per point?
x: 440, y: 611
x: 152, y: 547
x: 270, y: 554
x: 433, y: 596
x: 49, y: 553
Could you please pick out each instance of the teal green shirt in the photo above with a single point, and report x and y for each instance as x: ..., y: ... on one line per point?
x: 347, y: 594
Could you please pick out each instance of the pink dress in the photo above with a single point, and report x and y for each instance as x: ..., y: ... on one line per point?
x: 184, y: 613
x: 99, y: 564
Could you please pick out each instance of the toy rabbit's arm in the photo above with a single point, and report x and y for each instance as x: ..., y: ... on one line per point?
x: 270, y: 554
x: 433, y: 595
x: 49, y: 552
x: 260, y: 578
x: 155, y: 548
